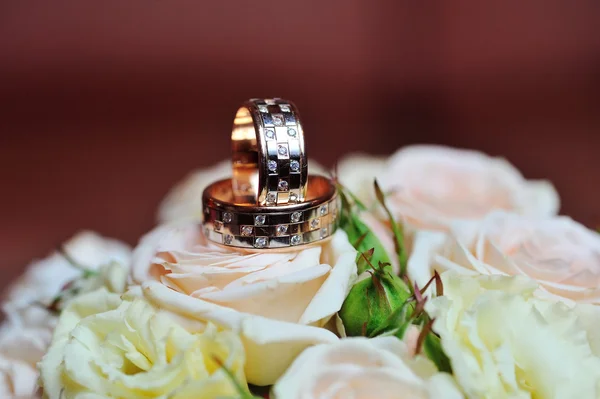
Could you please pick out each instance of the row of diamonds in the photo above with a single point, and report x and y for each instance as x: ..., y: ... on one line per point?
x: 274, y: 230
x: 270, y: 241
x: 269, y: 219
x: 279, y: 230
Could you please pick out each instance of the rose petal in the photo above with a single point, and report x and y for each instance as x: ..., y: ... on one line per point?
x: 270, y: 345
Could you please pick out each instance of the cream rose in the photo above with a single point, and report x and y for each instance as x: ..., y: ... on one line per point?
x: 108, y: 348
x: 560, y: 254
x: 275, y: 300
x: 184, y: 201
x: 505, y: 343
x: 430, y: 187
x: 364, y: 368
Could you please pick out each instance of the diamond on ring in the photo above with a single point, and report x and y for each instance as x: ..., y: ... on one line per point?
x: 294, y: 165
x: 296, y: 239
x: 282, y: 229
x: 283, y: 185
x: 296, y: 216
x: 272, y: 166
x: 260, y: 242
x: 278, y: 120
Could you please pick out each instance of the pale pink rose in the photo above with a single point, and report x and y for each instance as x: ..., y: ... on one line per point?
x: 24, y: 338
x: 45, y: 278
x: 362, y: 368
x: 430, y: 187
x: 560, y: 254
x: 357, y: 172
x: 411, y: 339
x: 276, y: 300
x: 184, y: 200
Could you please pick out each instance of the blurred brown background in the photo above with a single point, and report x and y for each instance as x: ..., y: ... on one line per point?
x: 104, y: 105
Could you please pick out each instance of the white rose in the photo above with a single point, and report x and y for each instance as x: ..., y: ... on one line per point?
x: 275, y: 300
x: 45, y: 278
x: 363, y: 368
x: 108, y: 348
x: 430, y: 187
x: 184, y: 200
x: 505, y: 343
x: 560, y: 254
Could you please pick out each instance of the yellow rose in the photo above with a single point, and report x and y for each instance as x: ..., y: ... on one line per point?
x: 275, y: 300
x: 505, y: 343
x: 108, y: 348
x: 430, y: 187
x: 560, y: 254
x: 362, y: 368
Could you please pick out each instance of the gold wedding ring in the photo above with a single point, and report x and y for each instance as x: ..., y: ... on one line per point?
x: 234, y: 224
x: 270, y: 202
x: 269, y: 160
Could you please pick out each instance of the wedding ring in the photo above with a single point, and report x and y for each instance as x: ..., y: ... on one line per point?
x: 244, y: 225
x: 269, y: 160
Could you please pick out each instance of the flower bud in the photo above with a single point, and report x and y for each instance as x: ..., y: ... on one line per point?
x: 372, y: 300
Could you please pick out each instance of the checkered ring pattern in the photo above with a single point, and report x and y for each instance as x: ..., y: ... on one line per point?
x: 285, y: 157
x: 271, y: 229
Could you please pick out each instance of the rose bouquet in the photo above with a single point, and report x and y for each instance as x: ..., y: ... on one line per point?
x: 450, y: 276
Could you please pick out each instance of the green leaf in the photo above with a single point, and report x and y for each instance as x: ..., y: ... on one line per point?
x: 357, y: 202
x: 432, y: 348
x: 364, y: 240
x: 359, y: 234
x: 365, y: 260
x: 396, y: 229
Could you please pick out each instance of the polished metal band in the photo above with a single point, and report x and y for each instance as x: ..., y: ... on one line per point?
x: 269, y: 159
x: 249, y: 226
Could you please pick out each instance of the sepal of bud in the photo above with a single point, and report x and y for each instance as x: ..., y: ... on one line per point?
x: 377, y: 296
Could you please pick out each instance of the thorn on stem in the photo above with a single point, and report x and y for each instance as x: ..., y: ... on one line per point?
x: 426, y: 330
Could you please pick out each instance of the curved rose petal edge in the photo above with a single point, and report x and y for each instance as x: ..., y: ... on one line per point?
x: 271, y: 346
x: 330, y: 297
